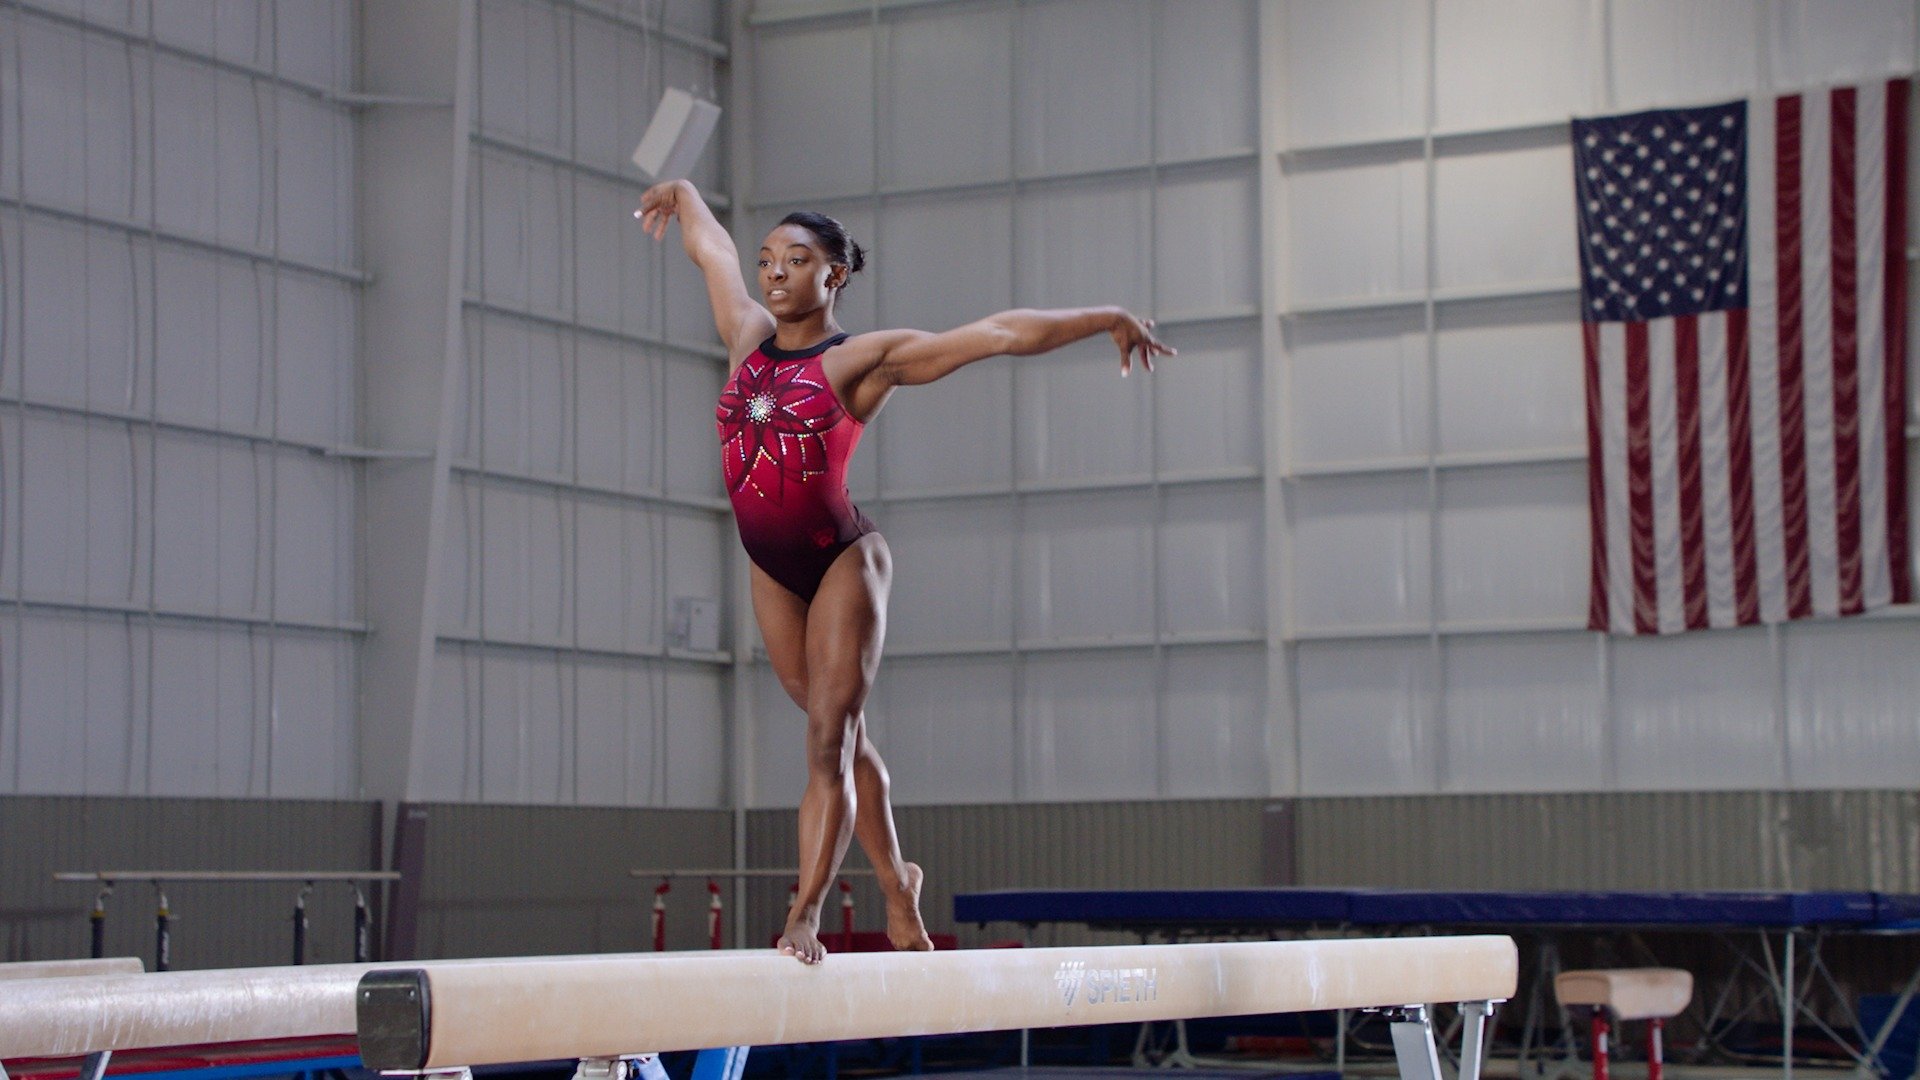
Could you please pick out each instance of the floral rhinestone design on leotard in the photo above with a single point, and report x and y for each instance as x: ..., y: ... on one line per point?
x: 773, y: 414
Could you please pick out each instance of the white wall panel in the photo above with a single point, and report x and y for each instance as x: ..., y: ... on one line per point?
x: 1850, y: 693
x: 213, y: 321
x: 1361, y: 552
x: 1087, y: 729
x: 614, y: 400
x: 938, y: 546
x: 1083, y: 86
x: 523, y: 76
x: 76, y: 119
x: 956, y: 433
x: 1359, y: 389
x: 695, y: 740
x: 1216, y: 710
x: 1079, y: 419
x: 1206, y: 258
x: 1514, y: 61
x: 812, y: 131
x: 312, y: 718
x: 1357, y: 230
x: 1353, y: 69
x: 1695, y: 712
x: 81, y: 333
x: 314, y: 152
x: 946, y: 730
x: 1671, y: 54
x: 946, y: 96
x: 696, y: 550
x: 211, y: 122
x: 520, y: 724
x: 1083, y: 243
x: 1813, y: 48
x: 1366, y: 717
x: 1086, y: 566
x: 608, y: 119
x: 1210, y: 406
x: 1507, y: 379
x: 524, y: 397
x: 77, y: 517
x: 314, y: 556
x: 1505, y: 218
x: 619, y: 280
x: 1513, y: 544
x: 1525, y: 714
x: 518, y: 213
x: 947, y: 262
x: 183, y: 756
x: 1205, y: 56
x: 614, y: 584
x: 212, y: 528
x: 1212, y: 551
x: 615, y: 734
x: 75, y: 686
x: 312, y: 368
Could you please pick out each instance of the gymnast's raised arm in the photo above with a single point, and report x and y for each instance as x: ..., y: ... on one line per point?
x: 742, y: 322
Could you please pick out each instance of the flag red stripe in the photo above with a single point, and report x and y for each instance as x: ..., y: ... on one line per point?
x: 1646, y: 580
x: 1846, y: 352
x: 1746, y: 560
x: 1894, y: 335
x: 1693, y: 515
x: 1598, y: 615
x: 1793, y: 434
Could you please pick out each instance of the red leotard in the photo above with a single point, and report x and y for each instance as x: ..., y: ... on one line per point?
x: 784, y: 445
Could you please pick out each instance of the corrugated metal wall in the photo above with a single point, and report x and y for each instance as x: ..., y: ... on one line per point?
x: 215, y: 925
x: 1679, y: 840
x: 542, y: 880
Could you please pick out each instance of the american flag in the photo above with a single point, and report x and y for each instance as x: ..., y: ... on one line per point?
x: 1743, y: 292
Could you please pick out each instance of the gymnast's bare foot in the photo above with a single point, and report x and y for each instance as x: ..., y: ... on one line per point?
x: 904, y: 927
x: 802, y: 940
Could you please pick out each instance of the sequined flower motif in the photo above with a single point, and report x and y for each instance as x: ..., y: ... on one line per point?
x: 771, y: 419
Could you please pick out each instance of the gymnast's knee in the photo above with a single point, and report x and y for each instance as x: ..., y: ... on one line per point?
x: 832, y: 737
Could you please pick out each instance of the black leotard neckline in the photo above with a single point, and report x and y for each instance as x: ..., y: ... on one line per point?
x: 773, y: 352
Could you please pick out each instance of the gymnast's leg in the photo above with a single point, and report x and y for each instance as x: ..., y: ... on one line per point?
x: 825, y: 655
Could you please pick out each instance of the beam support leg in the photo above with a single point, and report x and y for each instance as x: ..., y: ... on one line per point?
x: 1413, y: 1045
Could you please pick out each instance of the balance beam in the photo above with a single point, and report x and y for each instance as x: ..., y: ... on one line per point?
x: 451, y: 1017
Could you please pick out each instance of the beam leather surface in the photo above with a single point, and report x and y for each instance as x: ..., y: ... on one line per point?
x: 484, y: 1014
x: 64, y: 1017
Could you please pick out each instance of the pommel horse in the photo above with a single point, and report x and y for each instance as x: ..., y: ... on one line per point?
x: 440, y: 1021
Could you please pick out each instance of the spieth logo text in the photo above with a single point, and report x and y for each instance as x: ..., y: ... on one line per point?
x: 1098, y: 986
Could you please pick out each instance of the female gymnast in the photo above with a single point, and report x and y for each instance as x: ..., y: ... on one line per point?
x: 799, y: 393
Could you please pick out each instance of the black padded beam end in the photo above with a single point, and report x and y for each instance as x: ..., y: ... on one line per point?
x: 396, y: 1019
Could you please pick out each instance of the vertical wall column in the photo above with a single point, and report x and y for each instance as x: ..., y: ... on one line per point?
x: 417, y: 61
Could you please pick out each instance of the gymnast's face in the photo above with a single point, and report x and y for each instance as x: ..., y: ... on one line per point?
x: 795, y: 276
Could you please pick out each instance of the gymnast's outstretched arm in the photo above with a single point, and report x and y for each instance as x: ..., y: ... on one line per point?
x: 742, y: 322
x: 915, y: 357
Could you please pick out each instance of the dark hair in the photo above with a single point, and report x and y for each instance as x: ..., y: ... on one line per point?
x: 840, y: 248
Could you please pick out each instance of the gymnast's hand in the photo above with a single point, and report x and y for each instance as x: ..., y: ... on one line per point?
x: 659, y: 205
x: 1135, y: 335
